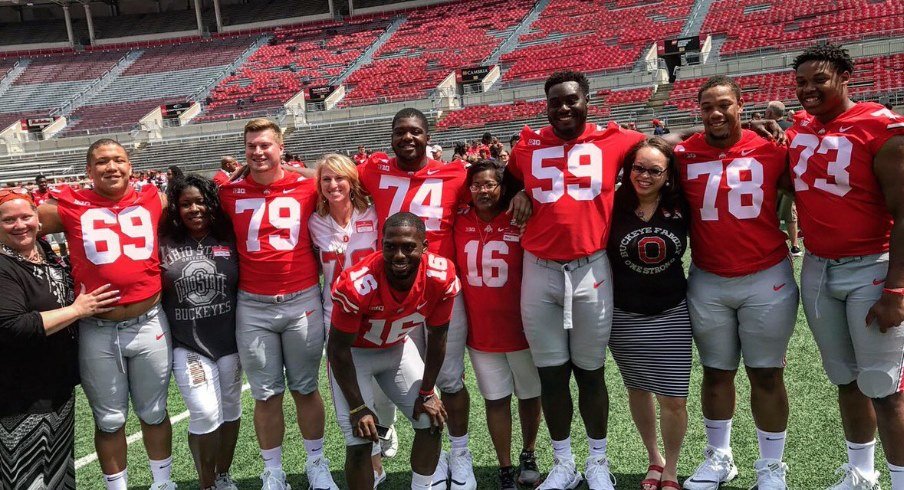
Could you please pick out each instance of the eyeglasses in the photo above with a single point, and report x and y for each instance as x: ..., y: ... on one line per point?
x: 653, y: 172
x: 489, y: 186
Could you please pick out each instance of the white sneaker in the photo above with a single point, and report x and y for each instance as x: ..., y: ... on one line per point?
x: 379, y: 478
x: 319, y: 477
x: 389, y: 446
x: 598, y: 475
x: 770, y: 474
x: 164, y: 485
x: 225, y: 482
x: 461, y: 470
x: 274, y: 479
x: 853, y: 479
x: 563, y: 476
x: 441, y: 473
x: 716, y: 469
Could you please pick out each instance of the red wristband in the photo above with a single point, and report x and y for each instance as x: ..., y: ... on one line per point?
x: 895, y: 291
x: 425, y: 392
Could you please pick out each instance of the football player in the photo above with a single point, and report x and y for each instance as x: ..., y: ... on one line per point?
x: 112, y: 236
x: 435, y: 192
x: 377, y: 303
x: 742, y: 296
x: 279, y: 324
x: 847, y: 161
x: 568, y: 170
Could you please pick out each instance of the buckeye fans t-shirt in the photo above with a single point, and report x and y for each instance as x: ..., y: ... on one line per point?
x: 365, y: 303
x: 571, y: 186
x: 270, y: 222
x: 840, y: 205
x: 489, y: 258
x: 434, y: 193
x: 113, y: 242
x: 339, y: 248
x: 732, y: 195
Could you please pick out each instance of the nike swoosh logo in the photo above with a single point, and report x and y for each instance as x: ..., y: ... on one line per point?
x: 744, y: 153
x: 597, y: 285
x: 422, y: 305
x: 309, y: 313
x: 779, y: 287
x: 843, y: 129
x: 877, y: 282
x: 437, y: 483
x: 704, y: 481
x: 433, y: 171
x: 286, y: 191
x: 160, y: 336
x: 857, y: 448
x: 775, y: 438
x: 460, y: 483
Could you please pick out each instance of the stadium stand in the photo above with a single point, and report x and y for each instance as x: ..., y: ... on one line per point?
x: 417, y: 57
x: 153, y: 23
x: 37, y: 32
x: 271, y: 10
x: 297, y: 57
x: 753, y: 26
x: 594, y: 37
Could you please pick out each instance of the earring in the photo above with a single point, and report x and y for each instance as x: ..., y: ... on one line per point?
x: 668, y: 184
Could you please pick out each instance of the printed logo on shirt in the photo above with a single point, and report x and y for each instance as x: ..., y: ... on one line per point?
x: 220, y: 251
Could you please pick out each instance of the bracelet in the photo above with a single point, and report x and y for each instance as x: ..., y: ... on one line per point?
x: 895, y: 291
x: 357, y: 409
x: 425, y: 392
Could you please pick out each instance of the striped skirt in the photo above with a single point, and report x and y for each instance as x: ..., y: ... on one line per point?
x: 36, y: 451
x: 653, y: 352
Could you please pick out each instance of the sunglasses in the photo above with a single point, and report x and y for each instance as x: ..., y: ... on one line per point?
x: 640, y: 170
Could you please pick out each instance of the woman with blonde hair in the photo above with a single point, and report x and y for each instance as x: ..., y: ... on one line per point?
x: 344, y: 230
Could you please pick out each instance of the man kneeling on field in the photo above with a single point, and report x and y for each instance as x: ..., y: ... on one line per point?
x: 376, y: 304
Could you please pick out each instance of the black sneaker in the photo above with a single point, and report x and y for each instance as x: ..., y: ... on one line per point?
x: 507, y: 478
x: 528, y: 474
x: 796, y: 252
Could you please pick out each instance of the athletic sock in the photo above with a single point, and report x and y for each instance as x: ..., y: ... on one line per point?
x: 313, y: 448
x: 161, y: 469
x: 458, y: 443
x: 897, y: 476
x: 772, y: 444
x: 597, y: 447
x: 562, y: 449
x: 421, y: 482
x: 862, y: 456
x: 718, y: 433
x: 117, y: 481
x: 272, y: 458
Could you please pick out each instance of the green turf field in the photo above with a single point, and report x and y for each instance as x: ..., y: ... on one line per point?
x: 815, y: 442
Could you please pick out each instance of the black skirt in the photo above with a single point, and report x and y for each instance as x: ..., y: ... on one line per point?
x: 38, y: 450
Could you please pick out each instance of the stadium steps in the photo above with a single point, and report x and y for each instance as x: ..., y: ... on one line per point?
x: 99, y: 84
x: 368, y: 55
x: 660, y: 96
x: 511, y: 43
x: 696, y: 17
x: 13, y: 74
x: 203, y: 92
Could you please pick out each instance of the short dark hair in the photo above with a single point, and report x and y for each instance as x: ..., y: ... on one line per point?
x: 411, y: 112
x: 176, y: 171
x: 173, y: 227
x: 405, y: 219
x: 836, y: 55
x: 503, y: 177
x: 672, y: 198
x: 720, y: 81
x: 567, y: 76
x: 39, y: 177
x: 102, y: 142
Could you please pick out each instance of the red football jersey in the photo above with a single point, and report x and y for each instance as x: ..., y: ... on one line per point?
x: 360, y: 159
x: 435, y: 193
x: 41, y: 197
x: 365, y: 304
x: 732, y: 197
x: 113, y: 242
x: 271, y: 230
x: 489, y: 258
x: 221, y: 177
x: 571, y: 185
x: 840, y: 205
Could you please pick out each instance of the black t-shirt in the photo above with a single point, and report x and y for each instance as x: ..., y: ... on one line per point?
x: 647, y: 273
x: 37, y: 371
x: 199, y: 293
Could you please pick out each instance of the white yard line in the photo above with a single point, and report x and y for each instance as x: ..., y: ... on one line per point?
x: 86, y: 460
